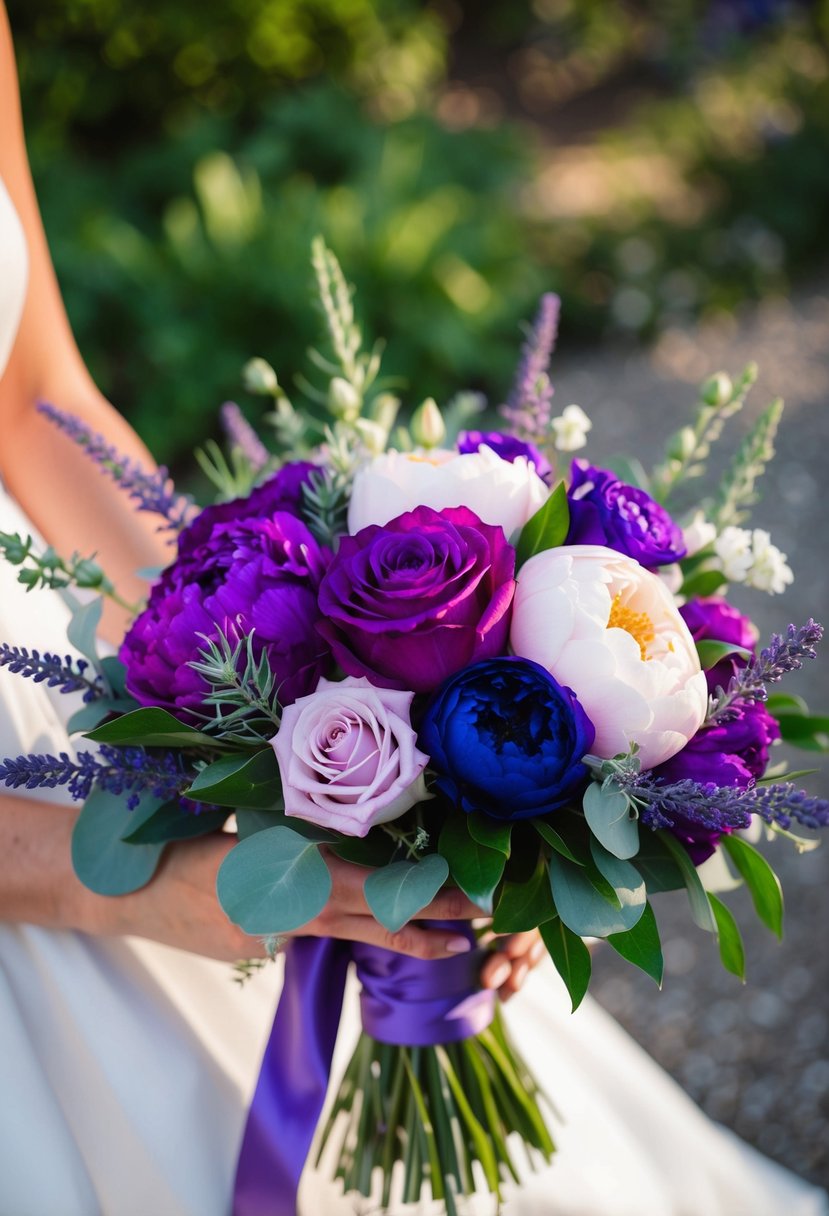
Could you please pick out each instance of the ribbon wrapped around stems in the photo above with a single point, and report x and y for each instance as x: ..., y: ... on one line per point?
x: 404, y: 1001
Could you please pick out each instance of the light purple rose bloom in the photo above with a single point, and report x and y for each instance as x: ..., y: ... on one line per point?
x: 236, y: 575
x: 733, y: 752
x: 716, y: 620
x: 508, y: 447
x: 348, y: 756
x: 410, y: 603
x: 605, y: 511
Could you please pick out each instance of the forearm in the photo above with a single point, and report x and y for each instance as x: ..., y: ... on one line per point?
x: 37, y: 883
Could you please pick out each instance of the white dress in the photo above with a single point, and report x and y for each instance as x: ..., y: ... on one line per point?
x: 126, y: 1067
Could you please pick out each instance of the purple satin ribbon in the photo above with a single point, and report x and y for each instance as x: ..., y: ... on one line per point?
x: 405, y: 1001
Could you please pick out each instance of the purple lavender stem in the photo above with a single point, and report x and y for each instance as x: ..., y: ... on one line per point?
x: 782, y: 655
x: 528, y: 409
x: 242, y: 436
x: 118, y: 770
x: 152, y: 492
x: 65, y: 673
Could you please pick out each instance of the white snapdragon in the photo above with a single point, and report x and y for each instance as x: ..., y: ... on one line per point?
x: 749, y: 557
x: 571, y: 429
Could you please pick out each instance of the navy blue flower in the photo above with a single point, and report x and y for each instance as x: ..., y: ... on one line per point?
x: 606, y: 511
x: 507, y: 739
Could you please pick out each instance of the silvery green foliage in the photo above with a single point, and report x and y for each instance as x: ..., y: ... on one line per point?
x: 242, y: 690
x: 737, y: 488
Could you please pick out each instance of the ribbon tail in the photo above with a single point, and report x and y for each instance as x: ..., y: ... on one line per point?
x: 293, y: 1079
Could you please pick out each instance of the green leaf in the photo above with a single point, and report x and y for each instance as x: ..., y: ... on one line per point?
x: 91, y: 715
x: 375, y: 850
x: 396, y: 893
x: 494, y: 833
x: 274, y: 881
x: 570, y: 956
x: 172, y: 822
x: 608, y: 816
x: 242, y: 781
x: 711, y: 652
x: 585, y: 910
x: 641, y: 946
x: 151, y: 727
x: 524, y: 905
x: 249, y: 822
x: 475, y: 867
x: 784, y: 702
x: 657, y: 867
x: 700, y: 907
x: 546, y: 529
x: 623, y: 878
x: 82, y: 630
x: 105, y: 862
x: 761, y: 880
x: 730, y: 941
x: 704, y: 583
x: 555, y: 841
x: 807, y: 731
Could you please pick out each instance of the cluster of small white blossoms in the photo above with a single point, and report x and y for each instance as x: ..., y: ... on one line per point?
x: 570, y: 429
x: 749, y: 557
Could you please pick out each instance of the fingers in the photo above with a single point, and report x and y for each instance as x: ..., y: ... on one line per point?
x: 511, y: 961
x: 348, y: 896
x: 411, y: 940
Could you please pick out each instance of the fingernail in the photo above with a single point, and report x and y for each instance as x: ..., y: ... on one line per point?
x: 458, y: 945
x: 537, y: 953
x: 520, y: 974
x: 499, y: 975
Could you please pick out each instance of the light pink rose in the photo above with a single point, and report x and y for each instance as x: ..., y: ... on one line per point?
x: 348, y: 757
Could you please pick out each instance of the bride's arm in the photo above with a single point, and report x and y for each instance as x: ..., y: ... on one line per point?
x: 42, y: 468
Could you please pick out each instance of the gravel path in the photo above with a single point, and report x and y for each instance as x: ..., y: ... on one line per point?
x: 755, y: 1057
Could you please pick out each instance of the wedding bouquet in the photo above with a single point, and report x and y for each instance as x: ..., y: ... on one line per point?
x: 433, y: 652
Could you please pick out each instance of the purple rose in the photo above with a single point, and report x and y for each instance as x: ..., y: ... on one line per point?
x: 605, y: 511
x: 410, y: 603
x: 732, y: 752
x: 234, y: 575
x: 507, y: 447
x: 716, y: 620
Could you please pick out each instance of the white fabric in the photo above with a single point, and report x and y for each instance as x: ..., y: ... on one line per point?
x: 126, y: 1067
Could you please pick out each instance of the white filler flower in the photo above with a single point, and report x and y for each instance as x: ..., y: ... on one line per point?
x: 570, y: 429
x: 750, y: 558
x: 610, y: 630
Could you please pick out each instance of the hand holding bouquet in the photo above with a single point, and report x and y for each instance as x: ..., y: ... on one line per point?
x: 426, y: 651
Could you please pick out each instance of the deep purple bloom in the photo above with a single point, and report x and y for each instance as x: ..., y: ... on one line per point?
x: 412, y: 602
x: 507, y: 447
x: 236, y: 575
x: 282, y: 492
x: 506, y: 739
x: 716, y: 620
x: 729, y: 753
x: 605, y: 511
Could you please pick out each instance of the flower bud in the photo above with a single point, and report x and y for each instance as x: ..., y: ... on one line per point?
x: 259, y: 377
x: 88, y: 574
x: 344, y: 401
x: 372, y: 434
x: 384, y: 409
x: 427, y: 426
x: 683, y: 444
x: 716, y: 390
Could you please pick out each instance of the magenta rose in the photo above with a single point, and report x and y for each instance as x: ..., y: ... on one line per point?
x: 412, y: 602
x: 348, y: 756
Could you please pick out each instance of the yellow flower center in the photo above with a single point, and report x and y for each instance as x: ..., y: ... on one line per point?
x: 638, y: 624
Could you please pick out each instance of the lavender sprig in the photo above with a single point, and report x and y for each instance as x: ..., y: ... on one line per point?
x: 782, y: 655
x: 118, y: 770
x: 243, y: 437
x: 65, y: 673
x: 152, y: 492
x: 528, y: 409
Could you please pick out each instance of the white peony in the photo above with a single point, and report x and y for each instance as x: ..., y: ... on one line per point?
x: 610, y: 630
x: 498, y: 491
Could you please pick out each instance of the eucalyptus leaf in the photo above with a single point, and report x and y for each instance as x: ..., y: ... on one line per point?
x: 115, y: 674
x: 700, y: 906
x: 641, y: 946
x: 523, y: 906
x: 546, y: 529
x: 105, y: 862
x: 149, y: 727
x: 249, y: 821
x: 476, y: 868
x: 656, y: 865
x: 570, y: 956
x: 608, y: 816
x: 624, y: 879
x: 93, y: 713
x: 729, y: 939
x: 244, y: 781
x: 761, y: 880
x: 172, y: 822
x: 494, y: 833
x: 375, y: 850
x: 555, y: 840
x: 582, y: 908
x: 396, y: 893
x: 82, y: 630
x: 274, y: 881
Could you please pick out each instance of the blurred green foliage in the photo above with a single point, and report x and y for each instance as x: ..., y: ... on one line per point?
x: 649, y: 162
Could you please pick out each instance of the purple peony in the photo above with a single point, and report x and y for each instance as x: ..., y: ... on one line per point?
x: 236, y: 575
x: 282, y: 492
x: 716, y: 620
x: 732, y: 752
x: 605, y: 511
x: 507, y: 447
x: 410, y: 603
